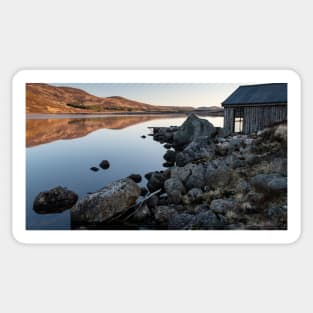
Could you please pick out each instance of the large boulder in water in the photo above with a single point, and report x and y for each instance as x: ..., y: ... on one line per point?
x: 192, y: 128
x: 100, y: 206
x: 55, y: 200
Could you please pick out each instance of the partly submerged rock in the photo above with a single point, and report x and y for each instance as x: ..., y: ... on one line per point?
x: 143, y: 191
x: 55, y: 200
x: 135, y: 177
x: 104, y: 164
x: 100, y: 206
x: 170, y: 156
x: 156, y: 180
x: 192, y: 128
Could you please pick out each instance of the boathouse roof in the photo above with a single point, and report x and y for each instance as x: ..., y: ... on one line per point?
x: 258, y: 94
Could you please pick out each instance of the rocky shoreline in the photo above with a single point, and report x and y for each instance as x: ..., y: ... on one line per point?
x: 214, y: 180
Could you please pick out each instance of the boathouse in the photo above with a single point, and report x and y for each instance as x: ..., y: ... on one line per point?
x: 253, y: 107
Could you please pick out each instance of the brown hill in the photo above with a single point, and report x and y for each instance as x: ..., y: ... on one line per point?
x: 44, y: 98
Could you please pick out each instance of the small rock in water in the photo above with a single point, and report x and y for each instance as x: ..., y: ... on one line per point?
x: 104, y: 164
x: 168, y: 164
x: 94, y: 169
x: 170, y: 156
x: 143, y: 136
x: 135, y: 177
x: 55, y: 200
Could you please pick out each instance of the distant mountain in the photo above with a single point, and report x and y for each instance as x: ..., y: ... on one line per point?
x: 210, y: 109
x: 44, y: 98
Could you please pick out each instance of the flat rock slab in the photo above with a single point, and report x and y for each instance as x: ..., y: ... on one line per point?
x: 100, y: 206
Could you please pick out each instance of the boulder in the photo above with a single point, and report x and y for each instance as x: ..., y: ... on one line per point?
x: 269, y: 183
x: 170, y: 156
x: 221, y: 206
x: 192, y: 128
x: 191, y: 175
x: 156, y: 181
x: 148, y: 175
x: 163, y: 134
x: 168, y: 164
x: 281, y: 132
x: 279, y: 166
x: 152, y: 202
x: 104, y: 164
x: 222, y: 132
x: 143, y: 191
x: 94, y: 169
x: 194, y: 195
x: 223, y: 148
x: 163, y: 213
x: 278, y: 215
x: 181, y: 221
x: 207, y: 220
x: 234, y: 162
x: 196, y: 179
x: 174, y: 189
x: 135, y: 177
x: 55, y: 200
x: 198, y: 149
x: 219, y: 176
x: 141, y: 214
x: 100, y: 206
x: 243, y: 187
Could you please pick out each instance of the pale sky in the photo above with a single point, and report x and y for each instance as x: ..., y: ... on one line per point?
x: 175, y: 94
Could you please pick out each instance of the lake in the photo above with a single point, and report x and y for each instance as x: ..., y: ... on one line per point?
x: 61, y: 149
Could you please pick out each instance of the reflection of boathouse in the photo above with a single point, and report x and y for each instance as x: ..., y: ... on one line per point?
x: 253, y: 107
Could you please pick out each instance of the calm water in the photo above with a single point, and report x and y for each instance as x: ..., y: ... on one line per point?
x: 60, y: 151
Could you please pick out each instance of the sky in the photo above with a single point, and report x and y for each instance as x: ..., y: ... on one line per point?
x: 171, y: 94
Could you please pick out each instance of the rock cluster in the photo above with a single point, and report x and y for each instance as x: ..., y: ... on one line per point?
x: 221, y: 181
x: 214, y: 181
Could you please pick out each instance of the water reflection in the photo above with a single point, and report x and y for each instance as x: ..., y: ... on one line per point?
x: 40, y: 131
x: 89, y: 141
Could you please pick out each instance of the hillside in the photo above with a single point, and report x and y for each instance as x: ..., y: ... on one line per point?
x: 44, y: 98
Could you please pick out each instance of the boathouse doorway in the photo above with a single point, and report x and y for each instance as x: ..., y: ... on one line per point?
x: 238, y: 120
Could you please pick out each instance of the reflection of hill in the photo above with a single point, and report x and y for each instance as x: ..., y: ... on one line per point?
x: 40, y: 131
